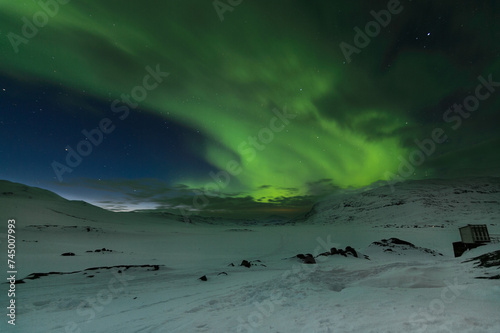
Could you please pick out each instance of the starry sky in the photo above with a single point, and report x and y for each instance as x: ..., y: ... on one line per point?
x: 242, y: 107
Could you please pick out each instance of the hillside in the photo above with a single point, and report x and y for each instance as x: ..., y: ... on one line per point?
x: 422, y: 203
x: 84, y: 269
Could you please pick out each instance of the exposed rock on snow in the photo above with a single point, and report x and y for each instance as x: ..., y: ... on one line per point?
x: 239, y: 230
x: 103, y: 250
x: 401, y: 247
x: 350, y: 250
x: 488, y: 260
x: 491, y: 259
x: 248, y: 264
x: 54, y: 227
x: 34, y: 276
x: 306, y: 259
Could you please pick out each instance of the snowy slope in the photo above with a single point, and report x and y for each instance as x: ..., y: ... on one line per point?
x: 414, y: 203
x: 146, y: 280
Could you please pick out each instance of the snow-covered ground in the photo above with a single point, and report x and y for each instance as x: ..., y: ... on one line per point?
x: 147, y: 277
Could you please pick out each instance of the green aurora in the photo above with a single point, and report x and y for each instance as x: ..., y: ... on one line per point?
x: 349, y: 124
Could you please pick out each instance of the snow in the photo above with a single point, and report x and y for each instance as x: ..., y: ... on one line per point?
x: 404, y: 290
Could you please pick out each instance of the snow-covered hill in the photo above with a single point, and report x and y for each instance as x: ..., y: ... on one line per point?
x: 139, y: 272
x: 413, y: 203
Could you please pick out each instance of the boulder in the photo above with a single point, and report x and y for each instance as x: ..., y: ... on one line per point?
x: 351, y: 251
x: 309, y: 259
x: 246, y: 263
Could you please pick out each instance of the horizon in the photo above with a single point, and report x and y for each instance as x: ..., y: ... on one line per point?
x: 272, y: 214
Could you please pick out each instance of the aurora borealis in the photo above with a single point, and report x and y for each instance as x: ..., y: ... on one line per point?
x: 230, y: 85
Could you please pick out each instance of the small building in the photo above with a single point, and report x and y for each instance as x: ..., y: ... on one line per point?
x: 473, y: 235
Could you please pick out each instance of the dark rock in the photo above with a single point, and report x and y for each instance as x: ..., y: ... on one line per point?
x: 34, y: 276
x: 309, y: 259
x: 203, y: 278
x: 351, y: 251
x: 398, y: 246
x: 325, y: 254
x: 334, y: 251
x: 68, y: 254
x: 101, y: 250
x: 342, y: 253
x: 491, y: 259
x: 399, y: 242
x: 495, y: 277
x: 222, y: 273
x: 306, y: 258
x: 231, y: 265
x: 394, y: 241
x: 90, y: 276
x: 246, y: 263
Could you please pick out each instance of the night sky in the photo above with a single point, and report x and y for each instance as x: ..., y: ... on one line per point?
x: 245, y: 107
